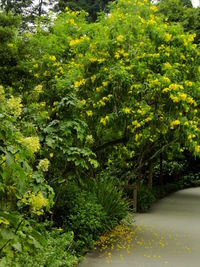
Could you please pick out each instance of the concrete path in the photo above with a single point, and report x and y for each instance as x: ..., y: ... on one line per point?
x: 168, y: 235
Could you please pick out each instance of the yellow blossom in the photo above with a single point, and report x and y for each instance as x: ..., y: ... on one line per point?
x: 166, y: 79
x: 43, y: 165
x: 73, y: 22
x: 104, y: 84
x: 191, y: 136
x: 10, y: 45
x: 168, y: 37
x: 104, y: 120
x: 175, y: 99
x: 167, y: 65
x: 53, y: 58
x: 1, y: 92
x: 31, y: 143
x: 14, y: 105
x: 127, y: 110
x: 38, y: 89
x: 74, y: 42
x: 93, y: 78
x: 4, y: 221
x: 89, y: 139
x: 79, y: 83
x: 197, y: 149
x: 117, y: 55
x: 93, y: 59
x: 154, y: 8
x: 174, y: 123
x: 182, y: 96
x: 120, y: 38
x: 89, y: 113
x: 36, y: 201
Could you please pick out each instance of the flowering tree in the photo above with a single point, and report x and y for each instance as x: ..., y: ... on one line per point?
x: 138, y: 87
x: 135, y: 79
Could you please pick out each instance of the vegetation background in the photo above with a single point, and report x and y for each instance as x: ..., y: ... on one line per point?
x: 94, y: 96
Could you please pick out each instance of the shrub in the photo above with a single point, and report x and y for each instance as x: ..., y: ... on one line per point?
x: 111, y: 199
x: 89, y: 210
x: 79, y: 211
x: 145, y: 198
x: 189, y: 180
x: 56, y: 253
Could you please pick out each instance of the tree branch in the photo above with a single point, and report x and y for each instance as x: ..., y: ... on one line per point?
x: 110, y: 143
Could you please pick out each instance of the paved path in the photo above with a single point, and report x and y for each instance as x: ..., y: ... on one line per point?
x: 168, y: 235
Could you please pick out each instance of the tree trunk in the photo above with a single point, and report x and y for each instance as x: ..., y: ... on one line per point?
x: 40, y: 8
x: 150, y: 181
x: 140, y: 173
x: 161, y: 169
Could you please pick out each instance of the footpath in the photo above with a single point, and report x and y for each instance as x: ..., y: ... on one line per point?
x: 167, y: 235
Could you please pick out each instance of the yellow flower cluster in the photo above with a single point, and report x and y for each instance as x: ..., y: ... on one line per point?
x: 154, y: 8
x: 4, y: 221
x: 191, y: 136
x: 120, y: 38
x: 168, y: 37
x: 1, y: 93
x: 15, y: 106
x: 43, y: 165
x: 175, y: 99
x: 53, y: 58
x: 36, y: 201
x: 72, y: 22
x: 188, y: 83
x: 197, y: 149
x: 89, y: 139
x: 151, y: 21
x: 38, y: 89
x: 173, y: 87
x: 121, y: 53
x: 180, y: 97
x: 192, y: 101
x: 136, y: 125
x: 93, y: 78
x: 81, y: 103
x: 93, y: 59
x: 174, y: 123
x: 166, y: 79
x: 11, y: 45
x: 127, y: 110
x: 89, y: 113
x: 167, y: 65
x: 103, y: 101
x: 191, y: 37
x: 31, y: 143
x: 79, y: 83
x: 104, y: 120
x: 78, y: 41
x: 137, y: 137
x: 105, y: 84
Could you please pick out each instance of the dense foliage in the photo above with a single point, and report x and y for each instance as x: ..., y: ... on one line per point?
x: 92, y: 7
x: 84, y: 109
